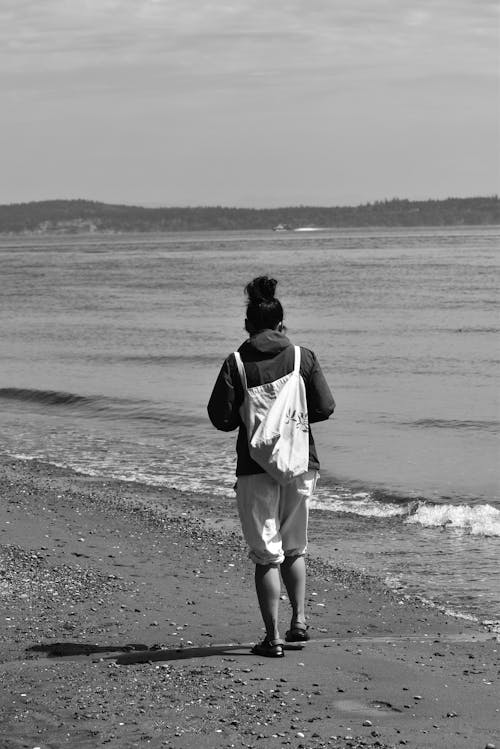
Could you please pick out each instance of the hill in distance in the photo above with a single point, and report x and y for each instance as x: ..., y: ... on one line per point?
x: 77, y: 216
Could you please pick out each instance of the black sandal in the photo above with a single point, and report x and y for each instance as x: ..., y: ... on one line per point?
x: 297, y: 633
x: 269, y: 648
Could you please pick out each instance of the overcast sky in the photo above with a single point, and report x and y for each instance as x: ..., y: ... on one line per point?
x: 248, y: 102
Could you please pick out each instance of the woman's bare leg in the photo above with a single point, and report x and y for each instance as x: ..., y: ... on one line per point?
x: 268, y: 587
x: 293, y: 572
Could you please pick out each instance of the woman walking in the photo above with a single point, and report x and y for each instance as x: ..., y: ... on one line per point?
x: 274, y: 515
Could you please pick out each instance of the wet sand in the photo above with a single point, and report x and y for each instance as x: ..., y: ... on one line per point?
x: 128, y: 614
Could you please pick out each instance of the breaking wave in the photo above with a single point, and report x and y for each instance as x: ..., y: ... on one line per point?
x: 479, y: 520
x: 476, y: 520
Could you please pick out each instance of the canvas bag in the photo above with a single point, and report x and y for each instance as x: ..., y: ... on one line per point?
x: 275, y: 416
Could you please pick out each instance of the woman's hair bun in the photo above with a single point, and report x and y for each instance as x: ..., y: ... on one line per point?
x: 261, y: 289
x: 264, y: 311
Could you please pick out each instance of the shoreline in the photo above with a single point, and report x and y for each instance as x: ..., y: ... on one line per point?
x: 320, y: 524
x: 91, y: 563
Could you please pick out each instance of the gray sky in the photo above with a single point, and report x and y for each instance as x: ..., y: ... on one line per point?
x: 248, y: 102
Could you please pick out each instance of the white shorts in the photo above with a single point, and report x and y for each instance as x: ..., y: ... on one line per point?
x: 273, y: 517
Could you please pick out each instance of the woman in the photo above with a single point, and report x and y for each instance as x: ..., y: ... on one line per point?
x: 273, y: 517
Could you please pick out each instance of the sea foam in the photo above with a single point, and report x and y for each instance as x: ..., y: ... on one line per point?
x: 360, y: 503
x: 479, y: 520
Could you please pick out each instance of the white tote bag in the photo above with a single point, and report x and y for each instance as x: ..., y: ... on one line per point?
x: 275, y: 416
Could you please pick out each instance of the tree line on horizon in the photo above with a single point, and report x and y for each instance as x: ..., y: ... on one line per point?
x: 71, y: 216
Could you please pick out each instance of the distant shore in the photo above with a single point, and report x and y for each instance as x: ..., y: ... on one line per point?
x: 140, y: 605
x: 74, y: 216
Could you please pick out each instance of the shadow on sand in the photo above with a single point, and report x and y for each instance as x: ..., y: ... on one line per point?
x: 63, y: 649
x: 137, y: 653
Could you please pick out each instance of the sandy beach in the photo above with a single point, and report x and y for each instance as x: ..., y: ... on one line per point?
x: 128, y: 614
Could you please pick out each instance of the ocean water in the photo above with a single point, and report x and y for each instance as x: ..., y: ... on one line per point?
x: 111, y: 344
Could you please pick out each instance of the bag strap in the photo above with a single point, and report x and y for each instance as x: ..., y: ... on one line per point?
x: 241, y: 369
x: 296, y: 367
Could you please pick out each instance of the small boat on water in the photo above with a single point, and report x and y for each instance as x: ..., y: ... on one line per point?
x: 282, y: 227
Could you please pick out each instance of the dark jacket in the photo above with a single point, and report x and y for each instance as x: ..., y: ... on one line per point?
x: 266, y: 356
